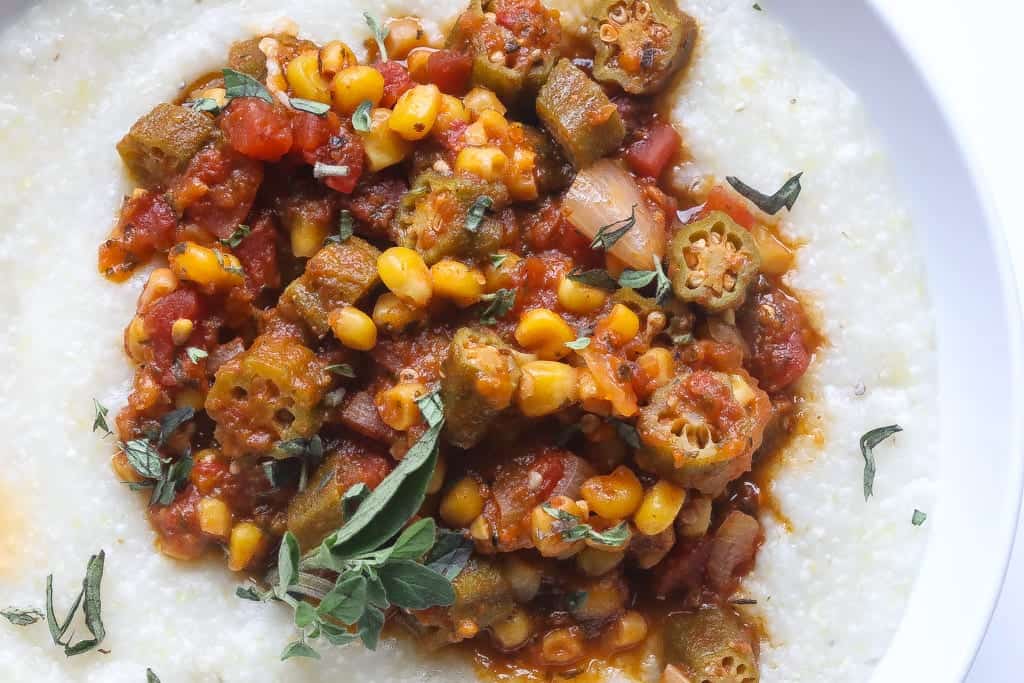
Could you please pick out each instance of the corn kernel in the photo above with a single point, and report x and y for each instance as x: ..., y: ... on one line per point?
x: 545, y: 387
x: 545, y: 333
x: 488, y: 163
x: 480, y: 530
x: 307, y: 236
x: 304, y: 79
x: 123, y: 469
x: 658, y: 366
x: 462, y: 504
x: 659, y: 508
x: 513, y: 631
x: 622, y: 323
x: 494, y: 123
x: 597, y: 562
x: 161, y: 282
x: 520, y: 178
x: 136, y: 340
x: 403, y: 272
x: 382, y: 146
x: 403, y: 36
x: 218, y: 95
x: 452, y: 111
x: 604, y: 598
x: 214, y: 517
x: 181, y: 330
x: 418, y: 63
x: 190, y: 398
x: 416, y: 111
x: 613, y: 496
x: 579, y: 298
x: 629, y: 630
x: 502, y: 277
x: 246, y: 544
x: 353, y: 328
x: 397, y: 405
x: 335, y: 56
x: 479, y: 100
x: 562, y: 646
x: 206, y: 478
x: 213, y: 270
x: 457, y: 282
x: 354, y: 85
x: 776, y: 257
x: 391, y: 315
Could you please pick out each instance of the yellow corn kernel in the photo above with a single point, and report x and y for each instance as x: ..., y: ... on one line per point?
x: 214, y: 517
x: 205, y: 484
x: 190, y: 398
x: 462, y: 504
x: 545, y: 387
x: 545, y: 333
x: 181, y: 330
x: 658, y: 365
x: 502, y: 276
x: 546, y: 531
x: 354, y: 85
x: 524, y: 576
x: 383, y: 147
x: 452, y: 111
x: 776, y: 257
x: 123, y: 469
x: 475, y: 135
x: 161, y: 282
x: 520, y: 178
x: 488, y: 163
x: 629, y: 630
x: 304, y: 79
x: 579, y: 298
x: 308, y: 237
x: 613, y: 496
x: 403, y: 36
x: 214, y: 270
x: 562, y: 646
x: 513, y: 631
x: 457, y: 282
x: 335, y: 56
x: 597, y: 562
x: 622, y: 323
x: 391, y: 315
x: 247, y: 542
x: 437, y: 478
x: 604, y: 598
x: 416, y: 112
x: 397, y: 405
x: 659, y: 508
x: 480, y: 530
x: 136, y: 340
x: 218, y: 95
x: 403, y: 272
x: 479, y: 100
x: 494, y: 123
x: 353, y: 328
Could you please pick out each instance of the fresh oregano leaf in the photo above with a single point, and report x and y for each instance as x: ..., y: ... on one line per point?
x: 238, y: 84
x: 347, y: 601
x: 411, y: 585
x: 431, y: 407
x: 299, y: 649
x: 346, y: 226
x: 288, y: 561
x: 579, y: 344
x: 100, y: 420
x: 598, y: 278
x: 171, y: 421
x: 379, y: 35
x: 309, y: 106
x: 352, y: 498
x: 21, y: 617
x: 450, y: 553
x: 236, y: 237
x: 151, y: 677
x: 477, y: 212
x: 608, y: 235
x: 207, y: 104
x: 786, y: 196
x: 361, y: 116
x: 370, y: 625
x: 636, y: 279
x: 342, y: 370
x: 918, y: 518
x: 498, y: 306
x: 499, y: 258
x: 867, y: 445
x: 248, y: 593
x: 144, y: 458
x: 415, y: 540
x: 195, y: 354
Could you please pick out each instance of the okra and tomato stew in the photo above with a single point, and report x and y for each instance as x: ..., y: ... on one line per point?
x: 434, y: 339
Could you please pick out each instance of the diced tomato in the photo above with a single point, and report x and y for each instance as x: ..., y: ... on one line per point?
x: 258, y: 255
x: 396, y: 81
x: 344, y: 148
x: 723, y: 199
x: 775, y: 326
x: 683, y: 569
x: 257, y: 129
x: 177, y: 526
x: 649, y: 155
x: 449, y: 70
x: 159, y: 316
x: 217, y: 189
x: 375, y: 202
x: 452, y: 137
x: 547, y: 228
x: 310, y: 132
x: 147, y: 224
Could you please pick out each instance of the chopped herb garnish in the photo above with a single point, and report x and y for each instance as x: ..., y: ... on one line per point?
x: 627, y: 433
x: 196, y: 354
x: 236, y: 237
x: 499, y: 304
x: 498, y: 259
x: 379, y: 34
x: 172, y: 478
x: 144, y: 458
x: 151, y: 677
x: 918, y: 518
x: 757, y: 7
x: 100, y: 421
x: 867, y: 445
x: 575, y: 600
x: 353, y: 498
x: 573, y: 530
x: 207, y: 104
x: 450, y: 553
x: 431, y: 407
x: 598, y: 278
x: 165, y: 477
x: 743, y: 601
x: 21, y: 617
x: 238, y: 84
x: 341, y: 369
x: 89, y: 600
x: 322, y: 170
x: 299, y: 649
x: 476, y: 213
x: 609, y: 234
x: 636, y: 279
x: 346, y: 226
x: 785, y: 197
x: 579, y: 344
x: 170, y: 423
x: 361, y: 116
x: 310, y: 106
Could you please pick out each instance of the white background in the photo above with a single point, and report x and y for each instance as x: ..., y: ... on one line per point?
x: 973, y: 53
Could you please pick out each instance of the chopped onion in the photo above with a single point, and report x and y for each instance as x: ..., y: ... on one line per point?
x: 733, y: 547
x: 604, y: 194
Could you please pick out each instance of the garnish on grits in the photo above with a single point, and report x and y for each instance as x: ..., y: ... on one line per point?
x: 434, y: 340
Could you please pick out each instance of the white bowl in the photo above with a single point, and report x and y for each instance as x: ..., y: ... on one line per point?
x: 979, y: 466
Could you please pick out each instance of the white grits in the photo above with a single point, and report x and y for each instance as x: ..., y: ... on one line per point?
x: 78, y: 74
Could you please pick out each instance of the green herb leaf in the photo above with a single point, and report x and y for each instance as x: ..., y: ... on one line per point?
x: 342, y: 370
x: 450, y: 554
x: 353, y: 498
x: 100, y: 421
x: 309, y: 106
x: 21, y: 617
x: 288, y: 561
x: 411, y: 585
x: 299, y: 649
x: 322, y: 170
x: 347, y: 601
x: 499, y: 304
x: 370, y: 625
x: 785, y: 197
x: 305, y: 615
x: 151, y: 677
x: 57, y: 631
x: 144, y: 458
x: 171, y: 480
x: 170, y: 423
x: 361, y: 116
x: 743, y: 601
x: 664, y: 284
x: 575, y: 600
x: 918, y: 518
x: 598, y: 278
x: 379, y: 34
x: 415, y: 541
x: 195, y: 354
x: 498, y: 259
x: 248, y: 593
x: 431, y: 407
x: 867, y: 446
x: 608, y: 235
x: 757, y: 7
x: 336, y: 635
x: 572, y: 529
x: 92, y: 607
x: 239, y: 84
x: 207, y: 104
x: 476, y: 213
x: 236, y: 237
x: 627, y: 433
x: 636, y: 279
x: 614, y: 537
x: 579, y: 344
